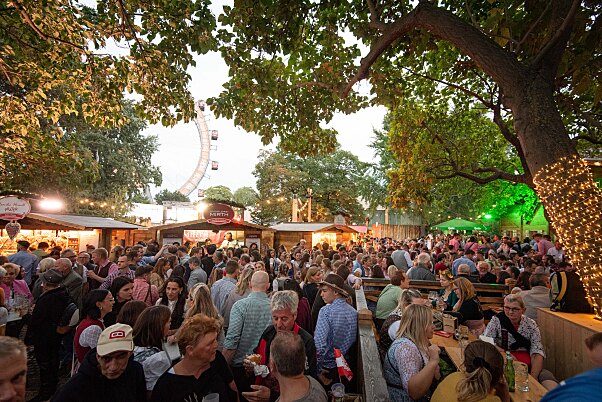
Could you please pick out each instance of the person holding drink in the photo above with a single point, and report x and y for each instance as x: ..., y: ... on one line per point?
x: 514, y: 332
x: 446, y: 296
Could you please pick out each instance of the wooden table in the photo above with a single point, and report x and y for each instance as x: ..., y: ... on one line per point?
x: 536, y: 390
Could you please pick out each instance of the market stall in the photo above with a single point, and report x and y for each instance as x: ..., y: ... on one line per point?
x: 67, y: 231
x: 289, y: 234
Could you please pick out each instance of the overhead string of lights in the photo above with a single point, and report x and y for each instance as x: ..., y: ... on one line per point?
x: 100, y: 204
x: 574, y: 204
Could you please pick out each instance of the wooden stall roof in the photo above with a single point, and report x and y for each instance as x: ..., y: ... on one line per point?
x: 38, y: 221
x: 313, y: 227
x: 201, y: 224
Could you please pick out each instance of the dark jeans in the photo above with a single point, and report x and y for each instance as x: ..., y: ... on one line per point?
x: 66, y: 351
x: 47, y: 357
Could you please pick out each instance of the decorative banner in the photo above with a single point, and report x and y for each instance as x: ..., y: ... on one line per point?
x: 12, y: 229
x: 219, y: 214
x: 14, y: 208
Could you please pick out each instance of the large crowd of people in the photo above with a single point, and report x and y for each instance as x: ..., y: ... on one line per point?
x: 181, y: 322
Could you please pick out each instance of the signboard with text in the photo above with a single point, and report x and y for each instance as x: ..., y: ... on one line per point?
x: 219, y: 214
x: 14, y: 208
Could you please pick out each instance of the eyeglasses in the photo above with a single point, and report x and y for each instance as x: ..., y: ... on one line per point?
x: 512, y: 309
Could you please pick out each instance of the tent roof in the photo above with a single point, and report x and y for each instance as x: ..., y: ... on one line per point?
x: 459, y: 224
x: 201, y: 224
x: 71, y: 222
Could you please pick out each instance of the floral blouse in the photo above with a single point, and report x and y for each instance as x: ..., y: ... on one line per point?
x: 527, y: 328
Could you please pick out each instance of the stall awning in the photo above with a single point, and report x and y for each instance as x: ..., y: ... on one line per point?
x: 202, y: 224
x: 38, y: 221
x: 312, y: 227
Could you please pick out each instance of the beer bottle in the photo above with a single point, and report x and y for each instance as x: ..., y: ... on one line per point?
x: 509, y: 371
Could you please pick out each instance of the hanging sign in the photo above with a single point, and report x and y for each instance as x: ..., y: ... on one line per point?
x: 219, y: 214
x: 14, y: 208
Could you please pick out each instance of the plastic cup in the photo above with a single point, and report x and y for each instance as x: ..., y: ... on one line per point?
x: 338, y: 391
x: 211, y: 397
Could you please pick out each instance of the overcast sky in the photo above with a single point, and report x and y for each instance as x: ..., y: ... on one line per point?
x: 237, y: 150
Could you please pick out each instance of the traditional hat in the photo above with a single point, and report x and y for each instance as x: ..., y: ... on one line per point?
x: 335, y: 282
x: 52, y: 276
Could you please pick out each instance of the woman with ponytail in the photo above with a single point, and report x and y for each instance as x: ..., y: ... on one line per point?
x: 481, y: 381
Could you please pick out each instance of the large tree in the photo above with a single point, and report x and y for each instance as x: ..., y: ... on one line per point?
x: 61, y: 58
x: 534, y: 65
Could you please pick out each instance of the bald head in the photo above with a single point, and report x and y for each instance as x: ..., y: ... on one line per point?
x: 260, y: 281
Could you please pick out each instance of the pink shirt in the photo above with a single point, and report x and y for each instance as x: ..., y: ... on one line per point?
x: 141, y: 292
x: 19, y: 287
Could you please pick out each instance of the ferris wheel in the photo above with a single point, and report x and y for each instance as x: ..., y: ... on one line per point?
x: 206, y: 136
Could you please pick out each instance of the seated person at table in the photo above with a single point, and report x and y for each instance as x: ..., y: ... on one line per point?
x: 467, y: 308
x: 483, y: 378
x: 586, y: 386
x: 538, y: 296
x: 513, y: 331
x: 412, y: 364
x: 389, y: 297
x: 391, y: 324
x: 446, y: 279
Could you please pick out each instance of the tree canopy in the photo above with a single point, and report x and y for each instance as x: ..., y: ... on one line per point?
x: 246, y: 196
x: 167, y: 195
x: 219, y: 193
x: 335, y: 180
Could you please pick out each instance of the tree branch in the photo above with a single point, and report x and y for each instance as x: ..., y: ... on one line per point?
x: 375, y: 21
x: 588, y: 138
x: 488, y: 55
x: 532, y: 27
x: 558, y: 41
x: 499, y: 174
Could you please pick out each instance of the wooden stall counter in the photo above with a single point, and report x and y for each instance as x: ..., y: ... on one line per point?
x: 563, y: 336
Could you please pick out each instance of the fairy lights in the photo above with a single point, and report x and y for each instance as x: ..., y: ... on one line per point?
x: 573, y: 202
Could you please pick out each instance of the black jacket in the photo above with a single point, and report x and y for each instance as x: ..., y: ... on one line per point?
x: 45, y: 318
x: 89, y: 385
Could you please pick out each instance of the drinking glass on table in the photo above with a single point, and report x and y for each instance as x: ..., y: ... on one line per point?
x: 441, y: 303
x: 433, y: 296
x: 521, y: 376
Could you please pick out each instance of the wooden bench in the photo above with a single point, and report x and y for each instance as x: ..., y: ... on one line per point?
x: 370, y: 380
x: 490, y: 295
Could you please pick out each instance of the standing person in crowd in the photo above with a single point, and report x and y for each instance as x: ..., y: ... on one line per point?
x: 150, y: 331
x: 97, y: 304
x: 71, y: 280
x: 520, y: 335
x: 312, y: 279
x: 389, y: 296
x: 207, y: 261
x: 174, y: 297
x: 143, y: 289
x: 116, y: 252
x: 482, y: 379
x: 248, y: 320
x: 336, y: 328
x: 287, y: 365
x: 242, y: 290
x: 303, y: 308
x: 15, y: 291
x: 107, y: 373
x: 197, y: 274
x: 103, y: 268
x: 202, y: 369
x: 222, y: 288
x: 124, y: 262
x: 199, y: 302
x: 411, y: 363
x: 13, y: 369
x: 25, y: 259
x: 467, y: 309
x: 130, y: 312
x: 159, y: 273
x: 465, y: 259
x: 45, y: 331
x: 284, y: 312
x: 271, y: 261
x: 281, y: 276
x: 122, y: 290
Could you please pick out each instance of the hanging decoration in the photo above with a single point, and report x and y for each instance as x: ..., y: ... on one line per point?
x: 12, y: 229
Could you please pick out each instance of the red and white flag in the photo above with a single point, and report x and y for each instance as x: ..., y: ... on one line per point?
x: 343, y: 367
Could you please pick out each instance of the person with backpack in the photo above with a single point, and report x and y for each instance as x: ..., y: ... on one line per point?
x: 50, y: 320
x: 143, y: 289
x: 568, y: 293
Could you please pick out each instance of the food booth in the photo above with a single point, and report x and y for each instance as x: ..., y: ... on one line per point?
x: 314, y: 233
x: 67, y: 231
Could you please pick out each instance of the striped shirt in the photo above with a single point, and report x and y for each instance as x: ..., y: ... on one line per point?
x: 248, y: 319
x: 106, y: 284
x: 336, y: 328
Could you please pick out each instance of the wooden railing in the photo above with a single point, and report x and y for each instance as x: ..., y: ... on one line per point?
x: 370, y: 379
x: 490, y: 294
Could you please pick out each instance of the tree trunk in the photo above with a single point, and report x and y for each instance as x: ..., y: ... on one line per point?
x: 562, y: 181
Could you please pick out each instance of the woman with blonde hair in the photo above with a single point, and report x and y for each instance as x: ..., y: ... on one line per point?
x: 391, y: 323
x: 242, y: 290
x: 412, y: 363
x: 159, y: 273
x: 116, y: 252
x: 216, y: 275
x: 199, y: 302
x: 482, y: 379
x: 447, y: 293
x: 467, y: 309
x: 312, y: 278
